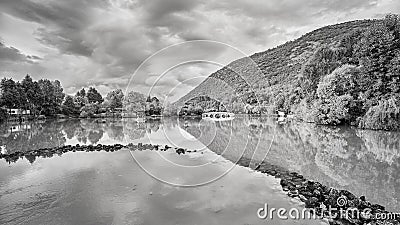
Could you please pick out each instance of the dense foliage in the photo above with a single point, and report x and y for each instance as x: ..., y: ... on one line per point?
x: 41, y: 97
x: 45, y: 97
x: 153, y: 106
x: 199, y: 105
x: 347, y: 73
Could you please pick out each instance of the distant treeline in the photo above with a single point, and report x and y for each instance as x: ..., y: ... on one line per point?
x: 47, y: 98
x: 197, y: 106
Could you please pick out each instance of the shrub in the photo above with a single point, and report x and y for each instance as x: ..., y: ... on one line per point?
x: 333, y: 111
x: 385, y: 115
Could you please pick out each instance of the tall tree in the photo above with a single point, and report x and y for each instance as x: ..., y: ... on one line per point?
x: 80, y: 98
x: 34, y: 95
x: 10, y: 97
x: 53, y: 96
x: 134, y: 102
x: 69, y: 107
x: 58, y: 93
x: 115, y: 99
x: 94, y: 96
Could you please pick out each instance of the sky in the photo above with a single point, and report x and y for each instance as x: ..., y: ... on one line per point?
x: 162, y: 47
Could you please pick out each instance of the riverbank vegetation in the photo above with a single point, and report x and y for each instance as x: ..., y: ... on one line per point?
x: 343, y: 74
x: 47, y: 98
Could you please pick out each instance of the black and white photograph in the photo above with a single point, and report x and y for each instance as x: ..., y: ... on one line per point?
x: 196, y: 112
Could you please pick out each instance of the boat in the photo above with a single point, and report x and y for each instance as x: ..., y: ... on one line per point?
x: 218, y: 116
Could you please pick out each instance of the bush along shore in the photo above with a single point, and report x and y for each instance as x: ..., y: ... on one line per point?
x: 320, y: 198
x: 50, y: 152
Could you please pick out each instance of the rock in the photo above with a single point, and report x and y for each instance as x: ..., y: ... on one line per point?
x: 180, y: 151
x: 316, y: 193
x: 293, y: 193
x: 312, y: 202
x: 348, y: 194
x: 302, y: 198
x: 354, y: 203
x: 285, y: 189
x: 377, y: 207
x: 284, y: 183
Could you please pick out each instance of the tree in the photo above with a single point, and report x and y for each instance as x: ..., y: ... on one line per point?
x: 394, y: 71
x: 58, y: 93
x: 134, y: 102
x: 374, y: 52
x: 385, y: 115
x: 115, y: 99
x: 34, y: 95
x: 10, y: 97
x: 94, y: 96
x: 53, y: 96
x: 80, y: 98
x: 153, y: 106
x: 334, y: 102
x: 39, y: 96
x: 170, y: 110
x: 89, y: 110
x: 69, y: 107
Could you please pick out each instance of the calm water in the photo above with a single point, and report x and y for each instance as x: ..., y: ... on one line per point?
x: 146, y: 187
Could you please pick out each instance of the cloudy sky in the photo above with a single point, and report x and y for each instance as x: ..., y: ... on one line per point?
x: 105, y: 43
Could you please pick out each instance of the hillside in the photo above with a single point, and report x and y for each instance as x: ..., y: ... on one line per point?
x: 340, y: 74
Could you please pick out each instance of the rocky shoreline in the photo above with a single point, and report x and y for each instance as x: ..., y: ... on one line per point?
x: 315, y: 195
x: 50, y: 152
x: 337, y: 206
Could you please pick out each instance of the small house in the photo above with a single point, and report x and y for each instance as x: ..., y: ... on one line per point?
x: 18, y: 112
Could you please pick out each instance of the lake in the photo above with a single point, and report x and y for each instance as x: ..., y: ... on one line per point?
x: 202, y: 187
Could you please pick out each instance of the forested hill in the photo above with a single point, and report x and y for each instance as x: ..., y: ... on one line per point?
x: 340, y: 74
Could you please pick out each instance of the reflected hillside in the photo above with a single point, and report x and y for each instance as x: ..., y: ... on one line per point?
x: 364, y: 162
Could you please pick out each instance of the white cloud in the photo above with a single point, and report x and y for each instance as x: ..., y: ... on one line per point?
x: 101, y: 43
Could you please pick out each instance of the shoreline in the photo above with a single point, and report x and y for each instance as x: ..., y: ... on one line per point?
x: 161, y: 117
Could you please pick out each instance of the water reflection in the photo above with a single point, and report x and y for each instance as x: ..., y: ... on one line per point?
x: 364, y: 162
x: 49, y: 134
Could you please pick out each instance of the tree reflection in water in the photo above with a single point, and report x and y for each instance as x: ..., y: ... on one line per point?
x: 49, y: 134
x: 364, y: 162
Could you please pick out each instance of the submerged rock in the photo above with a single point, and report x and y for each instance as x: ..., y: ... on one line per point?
x: 49, y: 152
x: 321, y: 197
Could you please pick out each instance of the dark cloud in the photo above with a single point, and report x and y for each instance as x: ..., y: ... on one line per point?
x: 102, y: 42
x: 63, y: 21
x: 11, y: 54
x: 294, y: 12
x: 158, y: 11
